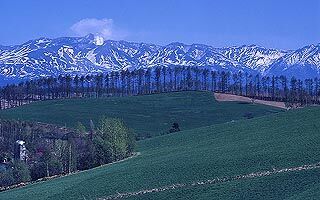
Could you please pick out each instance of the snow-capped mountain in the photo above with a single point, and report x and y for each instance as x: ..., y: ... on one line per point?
x: 253, y: 57
x: 90, y: 54
x: 302, y: 63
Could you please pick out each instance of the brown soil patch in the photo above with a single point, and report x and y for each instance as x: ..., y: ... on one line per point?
x: 231, y: 97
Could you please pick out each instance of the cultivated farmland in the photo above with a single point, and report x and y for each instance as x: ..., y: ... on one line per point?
x: 226, y: 150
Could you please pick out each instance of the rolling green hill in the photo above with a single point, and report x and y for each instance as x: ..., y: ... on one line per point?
x: 147, y: 115
x: 277, y: 141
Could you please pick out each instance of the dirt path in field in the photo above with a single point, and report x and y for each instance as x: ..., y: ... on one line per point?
x: 212, y: 181
x: 231, y: 97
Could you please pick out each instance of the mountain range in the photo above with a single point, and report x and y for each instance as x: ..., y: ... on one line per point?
x: 91, y: 54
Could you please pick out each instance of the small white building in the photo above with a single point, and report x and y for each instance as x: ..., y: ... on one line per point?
x: 20, y: 150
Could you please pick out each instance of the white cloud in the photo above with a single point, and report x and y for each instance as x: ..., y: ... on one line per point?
x: 101, y: 28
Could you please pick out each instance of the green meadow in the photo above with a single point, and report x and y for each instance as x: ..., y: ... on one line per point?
x: 146, y: 115
x: 216, y: 141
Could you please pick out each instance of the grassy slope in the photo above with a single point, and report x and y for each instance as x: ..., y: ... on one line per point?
x: 152, y: 114
x: 294, y: 186
x: 279, y: 140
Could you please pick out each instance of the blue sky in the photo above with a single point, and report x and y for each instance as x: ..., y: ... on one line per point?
x: 285, y: 24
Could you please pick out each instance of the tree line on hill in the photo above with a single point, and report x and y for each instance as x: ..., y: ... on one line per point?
x: 163, y: 79
x: 53, y: 150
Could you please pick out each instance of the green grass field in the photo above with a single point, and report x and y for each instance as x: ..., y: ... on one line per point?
x: 150, y: 114
x: 279, y: 140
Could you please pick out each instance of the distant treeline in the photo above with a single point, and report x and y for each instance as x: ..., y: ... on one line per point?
x: 163, y: 79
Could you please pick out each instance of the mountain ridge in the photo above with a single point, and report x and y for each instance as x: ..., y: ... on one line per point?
x: 83, y: 55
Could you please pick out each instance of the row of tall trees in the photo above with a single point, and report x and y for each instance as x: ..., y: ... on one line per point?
x: 163, y: 79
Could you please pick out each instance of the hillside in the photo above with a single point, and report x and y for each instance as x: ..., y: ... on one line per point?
x: 272, y: 142
x: 147, y: 115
